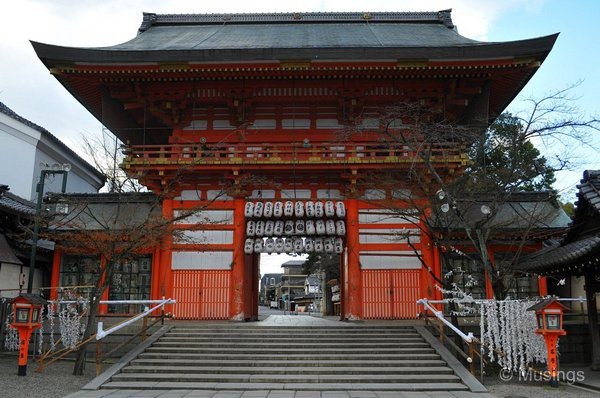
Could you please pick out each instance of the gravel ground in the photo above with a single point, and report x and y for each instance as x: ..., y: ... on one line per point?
x: 55, y: 381
x: 534, y: 389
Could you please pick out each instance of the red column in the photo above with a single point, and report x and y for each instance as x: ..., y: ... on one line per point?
x: 55, y: 276
x: 489, y: 290
x: 166, y: 283
x: 103, y: 308
x: 238, y: 296
x: 542, y: 286
x: 353, y: 305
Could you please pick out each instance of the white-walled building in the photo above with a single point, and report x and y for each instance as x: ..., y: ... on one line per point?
x: 24, y: 148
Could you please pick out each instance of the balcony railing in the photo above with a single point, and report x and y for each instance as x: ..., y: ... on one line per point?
x: 265, y: 153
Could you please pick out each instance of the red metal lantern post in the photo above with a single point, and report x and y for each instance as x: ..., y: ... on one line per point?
x: 549, y: 314
x: 27, y: 310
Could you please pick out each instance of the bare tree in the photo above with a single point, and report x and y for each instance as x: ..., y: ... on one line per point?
x: 465, y: 178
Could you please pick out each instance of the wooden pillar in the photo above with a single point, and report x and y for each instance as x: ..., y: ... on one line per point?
x: 238, y: 296
x: 353, y: 295
x: 55, y: 275
x: 591, y: 286
x: 103, y: 308
x: 166, y: 283
x: 489, y: 289
x: 542, y: 286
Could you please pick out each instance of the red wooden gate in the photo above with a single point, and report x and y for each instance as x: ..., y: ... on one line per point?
x: 390, y: 294
x: 201, y: 294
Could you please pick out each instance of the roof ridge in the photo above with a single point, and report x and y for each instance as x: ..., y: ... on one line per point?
x: 438, y: 17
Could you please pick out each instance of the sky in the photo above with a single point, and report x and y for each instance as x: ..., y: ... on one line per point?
x: 28, y: 89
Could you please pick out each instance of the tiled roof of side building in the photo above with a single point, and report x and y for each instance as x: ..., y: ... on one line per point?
x: 14, y: 204
x: 589, y: 189
x: 12, y: 114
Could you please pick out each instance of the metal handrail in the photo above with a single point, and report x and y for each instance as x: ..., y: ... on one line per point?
x: 469, y: 338
x: 100, y: 333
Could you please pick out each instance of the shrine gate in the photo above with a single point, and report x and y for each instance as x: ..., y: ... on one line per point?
x: 268, y: 123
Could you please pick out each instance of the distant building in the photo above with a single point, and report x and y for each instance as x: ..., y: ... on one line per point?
x: 269, y: 288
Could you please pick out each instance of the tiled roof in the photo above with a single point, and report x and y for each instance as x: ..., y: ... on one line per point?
x: 12, y: 114
x: 14, y: 204
x: 296, y: 36
x: 579, y: 249
x: 589, y: 189
x: 561, y: 258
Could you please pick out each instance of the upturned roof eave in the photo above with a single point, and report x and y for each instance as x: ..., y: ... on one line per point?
x: 53, y: 55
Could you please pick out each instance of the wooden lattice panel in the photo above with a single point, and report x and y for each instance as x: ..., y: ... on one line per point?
x: 390, y: 294
x: 201, y: 294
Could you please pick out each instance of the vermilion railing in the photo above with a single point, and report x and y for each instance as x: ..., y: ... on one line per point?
x: 369, y: 152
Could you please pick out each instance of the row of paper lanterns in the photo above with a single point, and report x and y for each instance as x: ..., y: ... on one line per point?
x: 297, y: 227
x: 293, y: 245
x: 298, y: 209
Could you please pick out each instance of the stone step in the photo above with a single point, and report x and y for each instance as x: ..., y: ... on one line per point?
x: 282, y: 370
x: 293, y: 350
x: 286, y: 362
x: 415, y: 356
x: 395, y: 387
x: 293, y: 344
x: 288, y: 337
x: 286, y: 378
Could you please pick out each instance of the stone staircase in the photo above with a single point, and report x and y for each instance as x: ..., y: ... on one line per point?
x: 252, y: 357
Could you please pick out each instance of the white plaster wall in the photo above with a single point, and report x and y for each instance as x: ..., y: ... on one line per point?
x: 17, y: 156
x: 9, y: 279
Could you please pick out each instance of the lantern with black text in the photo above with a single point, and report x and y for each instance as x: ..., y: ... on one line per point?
x: 549, y: 315
x: 27, y: 310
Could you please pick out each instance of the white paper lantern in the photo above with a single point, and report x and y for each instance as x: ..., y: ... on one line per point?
x: 269, y: 228
x: 329, y: 227
x: 258, y: 245
x: 310, y: 227
x: 338, y: 245
x: 340, y: 227
x: 260, y: 228
x: 310, y: 209
x: 319, y: 245
x: 299, y: 209
x: 278, y: 210
x: 320, y: 226
x: 329, y: 209
x: 328, y: 245
x: 268, y: 209
x: 249, y: 246
x: 319, y: 209
x: 288, y: 209
x: 270, y: 245
x: 288, y: 228
x: 309, y: 245
x: 340, y: 209
x: 300, y: 227
x: 279, y: 245
x: 258, y: 209
x: 298, y: 245
x: 250, y: 228
x: 288, y: 245
x: 278, y: 230
x: 249, y: 209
